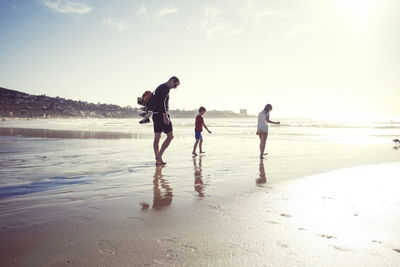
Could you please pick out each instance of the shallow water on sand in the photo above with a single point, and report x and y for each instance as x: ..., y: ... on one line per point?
x: 42, y: 164
x: 90, y: 194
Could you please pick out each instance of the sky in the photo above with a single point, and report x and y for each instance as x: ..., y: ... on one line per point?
x: 326, y: 59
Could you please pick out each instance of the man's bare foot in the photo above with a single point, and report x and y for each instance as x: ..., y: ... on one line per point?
x: 265, y: 154
x: 261, y: 156
x: 159, y: 161
x: 194, y: 154
x: 202, y: 152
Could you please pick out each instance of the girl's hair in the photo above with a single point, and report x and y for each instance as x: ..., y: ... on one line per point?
x: 201, y: 109
x: 267, y: 108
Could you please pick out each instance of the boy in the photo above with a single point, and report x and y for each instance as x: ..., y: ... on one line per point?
x: 198, y: 129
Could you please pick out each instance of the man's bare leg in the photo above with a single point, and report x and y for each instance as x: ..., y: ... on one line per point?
x: 164, y: 146
x: 156, y: 143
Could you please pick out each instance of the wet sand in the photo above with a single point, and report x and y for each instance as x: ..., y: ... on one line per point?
x: 103, y: 202
x: 341, y: 218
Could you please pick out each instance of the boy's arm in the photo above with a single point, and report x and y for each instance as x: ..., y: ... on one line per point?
x: 206, y: 127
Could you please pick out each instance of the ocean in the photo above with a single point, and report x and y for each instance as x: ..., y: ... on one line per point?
x: 290, y: 128
x: 105, y: 157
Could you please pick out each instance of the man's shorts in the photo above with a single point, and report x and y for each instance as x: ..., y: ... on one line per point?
x: 159, y: 125
x: 197, y: 134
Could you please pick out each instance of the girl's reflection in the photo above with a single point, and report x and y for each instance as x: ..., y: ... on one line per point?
x: 262, y: 179
x: 198, y: 177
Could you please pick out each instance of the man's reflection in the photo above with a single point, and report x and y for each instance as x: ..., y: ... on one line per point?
x: 262, y: 179
x: 160, y: 199
x: 198, y: 177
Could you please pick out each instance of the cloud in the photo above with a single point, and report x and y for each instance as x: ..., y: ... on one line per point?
x: 299, y: 30
x: 214, y: 25
x: 15, y: 7
x: 167, y: 11
x: 116, y: 23
x: 66, y: 6
x: 142, y: 10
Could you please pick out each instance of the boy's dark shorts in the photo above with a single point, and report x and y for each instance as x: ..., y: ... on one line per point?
x: 159, y: 125
x: 197, y: 135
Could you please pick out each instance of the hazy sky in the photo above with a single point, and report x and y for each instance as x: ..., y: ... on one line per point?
x: 311, y: 58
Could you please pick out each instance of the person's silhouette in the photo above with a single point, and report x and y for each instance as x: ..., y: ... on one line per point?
x: 160, y: 199
x: 198, y: 177
x: 262, y: 179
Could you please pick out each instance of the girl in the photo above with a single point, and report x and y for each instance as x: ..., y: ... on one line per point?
x: 262, y: 128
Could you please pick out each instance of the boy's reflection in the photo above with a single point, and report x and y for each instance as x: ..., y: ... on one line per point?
x: 198, y: 181
x: 160, y: 199
x: 262, y: 179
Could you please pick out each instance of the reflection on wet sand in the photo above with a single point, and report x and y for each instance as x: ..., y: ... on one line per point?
x: 198, y: 177
x: 67, y: 134
x: 262, y: 179
x: 160, y: 199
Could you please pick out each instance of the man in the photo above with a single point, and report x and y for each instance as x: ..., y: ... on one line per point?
x: 161, y: 119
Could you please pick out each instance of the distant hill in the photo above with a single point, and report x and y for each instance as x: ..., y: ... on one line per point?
x: 18, y: 104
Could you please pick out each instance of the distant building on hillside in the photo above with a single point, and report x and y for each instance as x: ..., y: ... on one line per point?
x: 243, y: 112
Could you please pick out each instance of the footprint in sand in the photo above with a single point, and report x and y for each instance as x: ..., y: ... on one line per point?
x: 178, y: 243
x: 171, y: 254
x: 105, y: 247
x: 282, y: 245
x: 327, y: 236
x: 340, y: 248
x: 285, y: 215
x: 169, y: 240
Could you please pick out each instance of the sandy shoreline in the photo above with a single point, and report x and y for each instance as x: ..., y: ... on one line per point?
x: 102, y: 202
x: 302, y: 223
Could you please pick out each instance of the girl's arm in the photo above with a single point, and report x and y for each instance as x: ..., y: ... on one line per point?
x: 274, y: 122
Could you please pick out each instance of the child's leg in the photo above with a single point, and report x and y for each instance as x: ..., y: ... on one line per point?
x: 263, y: 139
x: 201, y: 145
x: 195, y: 146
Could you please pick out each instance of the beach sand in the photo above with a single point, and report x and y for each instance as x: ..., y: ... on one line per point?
x: 103, y: 202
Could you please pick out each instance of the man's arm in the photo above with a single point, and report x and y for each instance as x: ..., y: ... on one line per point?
x: 166, y: 118
x: 163, y: 99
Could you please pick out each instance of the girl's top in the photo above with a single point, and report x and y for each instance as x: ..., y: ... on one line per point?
x: 262, y: 122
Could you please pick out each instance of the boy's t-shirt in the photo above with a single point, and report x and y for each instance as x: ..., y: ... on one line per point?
x: 199, y: 123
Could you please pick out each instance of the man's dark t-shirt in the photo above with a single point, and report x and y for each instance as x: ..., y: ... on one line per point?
x: 162, y: 97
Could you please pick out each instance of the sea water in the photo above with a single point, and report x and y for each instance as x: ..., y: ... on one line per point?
x: 81, y: 159
x: 290, y: 128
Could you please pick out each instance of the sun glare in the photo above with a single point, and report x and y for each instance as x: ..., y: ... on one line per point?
x: 360, y: 10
